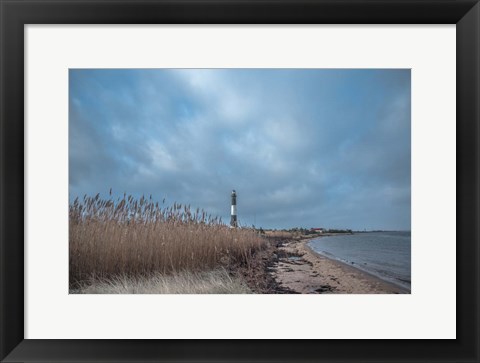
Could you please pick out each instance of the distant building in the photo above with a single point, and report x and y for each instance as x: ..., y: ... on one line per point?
x: 318, y: 230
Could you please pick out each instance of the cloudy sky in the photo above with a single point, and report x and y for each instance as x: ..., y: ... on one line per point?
x: 303, y: 148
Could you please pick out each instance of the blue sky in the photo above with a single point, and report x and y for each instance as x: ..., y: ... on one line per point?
x: 302, y: 147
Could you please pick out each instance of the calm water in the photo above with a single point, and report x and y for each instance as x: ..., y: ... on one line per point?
x: 384, y: 254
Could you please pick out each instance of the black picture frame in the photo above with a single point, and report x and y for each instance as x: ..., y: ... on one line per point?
x: 17, y: 13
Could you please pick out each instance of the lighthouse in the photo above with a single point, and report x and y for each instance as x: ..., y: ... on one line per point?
x: 233, y: 219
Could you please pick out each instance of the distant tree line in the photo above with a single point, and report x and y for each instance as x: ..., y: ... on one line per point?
x: 306, y: 231
x: 339, y: 231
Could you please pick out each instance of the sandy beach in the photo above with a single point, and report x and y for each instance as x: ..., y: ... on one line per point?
x: 301, y: 270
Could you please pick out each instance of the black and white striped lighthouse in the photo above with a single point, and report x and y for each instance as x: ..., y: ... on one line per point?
x: 233, y: 219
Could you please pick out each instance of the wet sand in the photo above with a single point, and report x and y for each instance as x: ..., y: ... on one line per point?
x: 304, y: 271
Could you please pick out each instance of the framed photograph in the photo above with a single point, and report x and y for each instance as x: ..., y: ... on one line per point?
x: 239, y: 181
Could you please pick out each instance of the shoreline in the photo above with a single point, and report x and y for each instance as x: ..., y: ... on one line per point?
x: 302, y: 270
x: 357, y: 269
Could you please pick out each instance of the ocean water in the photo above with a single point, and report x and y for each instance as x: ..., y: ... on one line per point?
x: 384, y: 254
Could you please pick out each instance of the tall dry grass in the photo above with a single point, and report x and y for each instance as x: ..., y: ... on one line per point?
x: 206, y: 282
x: 131, y: 237
x: 279, y: 234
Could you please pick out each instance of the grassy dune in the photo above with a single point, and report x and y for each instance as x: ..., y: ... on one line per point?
x: 128, y: 242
